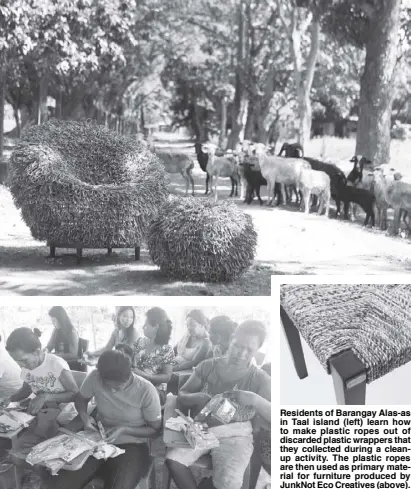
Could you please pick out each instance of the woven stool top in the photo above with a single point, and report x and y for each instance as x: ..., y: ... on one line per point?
x: 374, y: 321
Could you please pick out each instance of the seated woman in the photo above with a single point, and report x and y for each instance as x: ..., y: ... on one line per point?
x: 129, y: 409
x: 124, y: 332
x: 153, y: 356
x: 195, y: 345
x: 45, y: 375
x: 64, y: 340
x: 10, y: 382
x: 235, y: 377
x: 221, y: 330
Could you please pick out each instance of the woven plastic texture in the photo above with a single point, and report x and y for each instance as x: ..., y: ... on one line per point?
x: 374, y: 321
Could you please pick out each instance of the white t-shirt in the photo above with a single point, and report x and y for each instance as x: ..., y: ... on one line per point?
x: 45, y: 378
x: 10, y: 381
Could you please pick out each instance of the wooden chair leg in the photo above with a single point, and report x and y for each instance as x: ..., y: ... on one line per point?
x: 18, y: 475
x: 166, y: 477
x: 294, y: 342
x: 137, y: 253
x: 52, y: 252
x: 350, y: 378
x: 79, y: 255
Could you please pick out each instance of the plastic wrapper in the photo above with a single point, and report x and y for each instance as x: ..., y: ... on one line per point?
x: 107, y: 451
x: 222, y: 409
x: 198, y: 436
x: 64, y: 447
x: 11, y: 420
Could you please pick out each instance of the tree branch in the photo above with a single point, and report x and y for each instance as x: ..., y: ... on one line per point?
x: 266, y: 31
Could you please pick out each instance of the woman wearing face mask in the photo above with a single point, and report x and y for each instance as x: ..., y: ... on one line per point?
x: 64, y: 340
x: 153, y: 356
x: 124, y: 332
x: 129, y: 410
x: 195, y: 345
x: 233, y: 376
x: 45, y: 375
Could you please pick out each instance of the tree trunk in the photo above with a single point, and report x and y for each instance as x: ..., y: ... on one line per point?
x: 240, y: 104
x: 223, y: 123
x: 252, y: 115
x: 2, y: 99
x: 376, y: 94
x: 303, y: 84
x: 198, y: 127
x: 59, y: 103
x: 17, y: 120
x: 43, y: 91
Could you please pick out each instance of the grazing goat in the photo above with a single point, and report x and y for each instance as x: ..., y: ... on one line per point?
x: 178, y: 163
x: 382, y: 176
x: 312, y: 182
x: 202, y: 159
x: 364, y: 198
x: 292, y: 150
x: 278, y: 169
x: 221, y: 166
x: 337, y: 178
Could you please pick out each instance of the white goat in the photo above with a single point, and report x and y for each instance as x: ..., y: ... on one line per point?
x: 279, y: 169
x: 221, y: 167
x: 178, y: 163
x: 312, y: 182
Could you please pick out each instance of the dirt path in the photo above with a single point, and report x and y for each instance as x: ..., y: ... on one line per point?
x: 288, y: 243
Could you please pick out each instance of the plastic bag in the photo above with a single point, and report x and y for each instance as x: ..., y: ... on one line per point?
x: 223, y: 410
x: 67, y: 414
x: 198, y: 436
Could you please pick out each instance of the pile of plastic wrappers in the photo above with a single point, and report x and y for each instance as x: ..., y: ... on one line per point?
x: 71, y: 451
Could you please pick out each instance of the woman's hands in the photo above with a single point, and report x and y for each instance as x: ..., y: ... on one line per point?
x: 245, y: 398
x: 89, y: 423
x: 36, y: 404
x: 113, y: 434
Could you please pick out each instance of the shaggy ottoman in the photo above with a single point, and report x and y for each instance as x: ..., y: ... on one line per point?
x: 80, y: 185
x: 201, y: 240
x: 358, y: 332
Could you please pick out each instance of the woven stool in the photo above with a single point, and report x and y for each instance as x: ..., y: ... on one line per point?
x: 358, y: 332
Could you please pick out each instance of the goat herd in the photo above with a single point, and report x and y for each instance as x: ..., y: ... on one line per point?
x: 254, y: 165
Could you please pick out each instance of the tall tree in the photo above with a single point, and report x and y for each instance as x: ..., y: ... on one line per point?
x: 298, y: 22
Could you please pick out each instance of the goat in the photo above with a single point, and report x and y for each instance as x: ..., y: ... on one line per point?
x: 358, y: 178
x: 221, y: 166
x: 292, y: 150
x: 381, y: 177
x: 337, y: 178
x: 178, y: 163
x: 255, y: 180
x: 364, y: 198
x: 202, y: 159
x: 278, y: 169
x: 317, y: 183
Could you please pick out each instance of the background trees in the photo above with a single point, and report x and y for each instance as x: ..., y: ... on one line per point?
x: 229, y: 70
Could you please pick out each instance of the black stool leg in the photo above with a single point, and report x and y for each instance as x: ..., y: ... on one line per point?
x: 52, y: 252
x: 350, y: 378
x: 79, y: 255
x: 294, y: 342
x: 137, y: 253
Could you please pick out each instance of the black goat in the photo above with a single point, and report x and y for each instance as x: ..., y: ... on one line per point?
x: 292, y: 150
x: 202, y: 159
x: 364, y: 198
